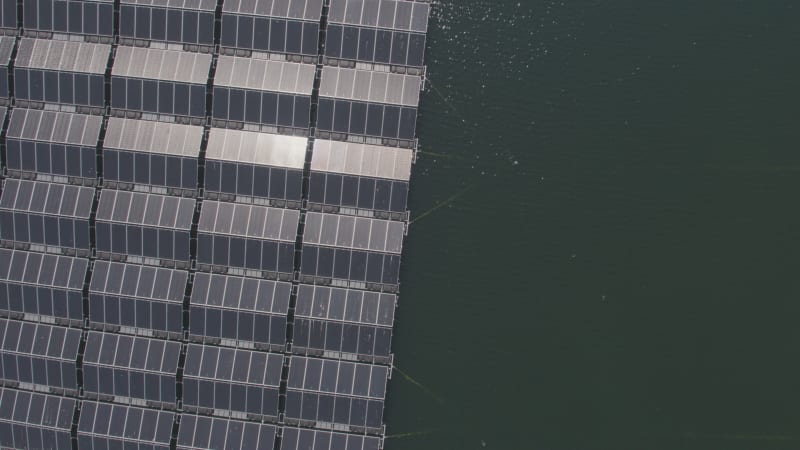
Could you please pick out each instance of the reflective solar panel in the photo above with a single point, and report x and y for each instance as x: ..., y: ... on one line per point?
x: 40, y: 284
x: 246, y: 382
x: 365, y: 160
x: 369, y: 86
x: 116, y: 365
x: 202, y: 432
x: 105, y: 426
x: 51, y: 142
x: 40, y: 354
x: 133, y: 296
x: 246, y: 163
x: 34, y: 420
x: 239, y: 309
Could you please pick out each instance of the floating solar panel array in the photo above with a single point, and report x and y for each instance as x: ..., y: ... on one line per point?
x: 202, y: 215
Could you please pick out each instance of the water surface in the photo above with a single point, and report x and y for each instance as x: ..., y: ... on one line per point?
x: 606, y: 237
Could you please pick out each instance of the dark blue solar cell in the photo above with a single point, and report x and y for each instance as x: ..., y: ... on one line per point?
x: 277, y: 35
x: 350, y: 43
x: 294, y: 37
x: 174, y: 25
x: 333, y: 41
x: 244, y: 37
x: 127, y: 21
x: 228, y: 35
x: 142, y: 23
x: 261, y: 34
x: 158, y: 24
x: 310, y: 38
x: 190, y: 26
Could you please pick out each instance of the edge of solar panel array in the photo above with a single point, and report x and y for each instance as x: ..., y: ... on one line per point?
x: 123, y: 123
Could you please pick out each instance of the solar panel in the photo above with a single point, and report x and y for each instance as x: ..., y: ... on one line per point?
x: 40, y: 355
x: 281, y: 26
x: 61, y: 72
x: 34, y: 420
x: 263, y: 92
x: 305, y: 439
x: 6, y: 49
x: 157, y: 81
x: 201, y: 433
x: 40, y: 284
x: 369, y: 86
x: 240, y: 310
x: 50, y: 142
x: 45, y: 213
x: 338, y: 392
x: 251, y: 164
x: 105, y: 426
x: 174, y: 21
x: 152, y: 153
x: 330, y: 321
x: 146, y: 225
x: 243, y: 381
x: 352, y: 248
x: 212, y: 260
x: 247, y: 236
x: 135, y: 367
x: 133, y: 296
x: 8, y: 14
x: 380, y: 31
x: 93, y: 17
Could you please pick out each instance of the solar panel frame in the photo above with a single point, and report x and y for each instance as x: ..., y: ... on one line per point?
x: 55, y: 71
x: 238, y: 380
x: 176, y: 23
x: 51, y: 142
x: 46, y: 423
x: 93, y: 17
x: 303, y: 438
x: 366, y: 119
x: 158, y: 81
x: 39, y: 354
x: 117, y: 365
x: 145, y: 297
x: 240, y: 309
x: 203, y: 432
x: 42, y: 285
x: 147, y: 225
x: 247, y: 236
x: 45, y: 213
x: 105, y: 425
x: 375, y: 46
x: 254, y: 164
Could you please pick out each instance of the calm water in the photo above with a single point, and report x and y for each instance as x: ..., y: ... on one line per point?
x: 607, y: 236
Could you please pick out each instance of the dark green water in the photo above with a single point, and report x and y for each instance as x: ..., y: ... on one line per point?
x: 614, y: 264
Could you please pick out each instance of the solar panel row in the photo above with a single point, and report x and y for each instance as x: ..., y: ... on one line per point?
x: 199, y: 249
